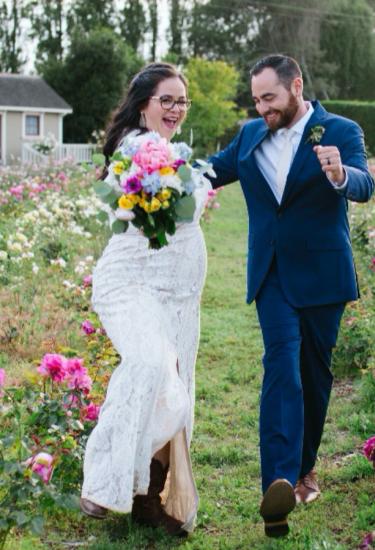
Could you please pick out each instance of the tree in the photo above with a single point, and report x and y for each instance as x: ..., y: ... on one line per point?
x: 10, y: 36
x: 87, y: 16
x: 91, y: 79
x: 47, y: 19
x: 212, y: 87
x: 348, y: 41
x: 178, y: 14
x: 154, y: 26
x: 133, y: 23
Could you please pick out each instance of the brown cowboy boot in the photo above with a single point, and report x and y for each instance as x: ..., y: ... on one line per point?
x: 148, y: 510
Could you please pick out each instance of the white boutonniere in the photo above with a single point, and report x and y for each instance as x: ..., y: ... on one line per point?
x: 316, y: 134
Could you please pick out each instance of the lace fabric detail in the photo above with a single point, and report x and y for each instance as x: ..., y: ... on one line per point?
x: 148, y: 302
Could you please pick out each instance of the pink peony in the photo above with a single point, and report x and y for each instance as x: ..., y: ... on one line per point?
x: 53, y: 366
x: 77, y: 376
x: 91, y: 412
x: 152, y: 155
x: 42, y: 465
x: 87, y: 327
x: 87, y: 280
x: 369, y: 449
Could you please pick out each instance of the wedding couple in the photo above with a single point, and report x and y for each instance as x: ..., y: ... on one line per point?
x: 298, y: 165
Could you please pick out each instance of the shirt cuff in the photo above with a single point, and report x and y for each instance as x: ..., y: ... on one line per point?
x: 341, y: 187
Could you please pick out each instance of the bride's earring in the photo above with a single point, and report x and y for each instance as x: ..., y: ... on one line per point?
x: 178, y: 130
x: 142, y: 121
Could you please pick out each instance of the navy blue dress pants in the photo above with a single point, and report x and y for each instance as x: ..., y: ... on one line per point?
x: 297, y: 380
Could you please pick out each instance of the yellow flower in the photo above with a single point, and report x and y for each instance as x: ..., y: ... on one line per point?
x: 166, y: 171
x: 134, y: 198
x: 125, y: 202
x: 165, y: 205
x: 164, y: 194
x: 155, y: 204
x: 142, y: 203
x: 147, y: 207
x: 118, y: 167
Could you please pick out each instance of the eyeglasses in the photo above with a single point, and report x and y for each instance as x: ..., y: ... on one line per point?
x: 167, y: 102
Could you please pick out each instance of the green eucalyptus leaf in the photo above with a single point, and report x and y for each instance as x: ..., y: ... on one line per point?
x: 102, y: 216
x: 185, y: 208
x: 119, y: 226
x: 102, y: 189
x: 184, y: 172
x: 98, y: 159
x: 111, y: 198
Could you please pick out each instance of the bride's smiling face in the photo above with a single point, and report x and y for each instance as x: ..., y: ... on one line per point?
x: 162, y: 120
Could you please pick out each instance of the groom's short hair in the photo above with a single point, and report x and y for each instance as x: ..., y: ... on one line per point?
x: 286, y: 68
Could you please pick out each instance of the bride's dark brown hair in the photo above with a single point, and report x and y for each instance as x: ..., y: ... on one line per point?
x: 127, y: 116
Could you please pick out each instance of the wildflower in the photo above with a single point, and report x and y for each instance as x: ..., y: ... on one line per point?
x: 369, y: 449
x: 87, y: 327
x: 87, y: 280
x: 77, y: 377
x: 91, y: 412
x: 2, y: 380
x: 53, y: 366
x: 42, y: 465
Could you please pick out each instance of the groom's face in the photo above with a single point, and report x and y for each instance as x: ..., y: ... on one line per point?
x: 275, y: 103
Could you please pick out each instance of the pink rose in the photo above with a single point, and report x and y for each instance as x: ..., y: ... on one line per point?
x: 369, y: 449
x: 53, y: 365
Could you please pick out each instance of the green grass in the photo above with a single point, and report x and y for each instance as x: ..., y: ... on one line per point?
x: 225, y: 450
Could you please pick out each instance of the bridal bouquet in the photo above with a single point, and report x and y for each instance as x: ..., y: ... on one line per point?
x: 150, y: 183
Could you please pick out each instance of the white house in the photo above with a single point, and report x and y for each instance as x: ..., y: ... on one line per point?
x: 30, y: 111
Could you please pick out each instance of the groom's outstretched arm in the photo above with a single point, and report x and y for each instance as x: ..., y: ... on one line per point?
x: 225, y: 163
x: 346, y: 166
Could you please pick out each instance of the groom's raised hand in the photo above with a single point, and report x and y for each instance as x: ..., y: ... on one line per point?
x: 330, y: 161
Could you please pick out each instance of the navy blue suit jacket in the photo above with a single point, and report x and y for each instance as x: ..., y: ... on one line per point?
x: 309, y: 230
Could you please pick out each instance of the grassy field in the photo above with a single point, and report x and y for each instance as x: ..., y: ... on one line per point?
x: 225, y: 445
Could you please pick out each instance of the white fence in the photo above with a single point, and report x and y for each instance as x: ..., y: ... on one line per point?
x: 74, y: 152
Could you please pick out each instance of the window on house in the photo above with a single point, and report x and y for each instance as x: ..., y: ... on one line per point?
x: 32, y: 127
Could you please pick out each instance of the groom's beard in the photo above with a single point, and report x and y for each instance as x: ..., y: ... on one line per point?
x: 281, y: 118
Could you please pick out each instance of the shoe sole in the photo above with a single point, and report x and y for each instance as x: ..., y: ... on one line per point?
x: 279, y: 500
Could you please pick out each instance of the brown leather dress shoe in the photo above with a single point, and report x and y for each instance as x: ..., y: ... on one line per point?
x: 91, y: 509
x: 278, y: 501
x: 148, y: 510
x: 307, y: 488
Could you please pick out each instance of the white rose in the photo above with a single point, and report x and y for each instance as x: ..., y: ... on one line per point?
x: 124, y: 215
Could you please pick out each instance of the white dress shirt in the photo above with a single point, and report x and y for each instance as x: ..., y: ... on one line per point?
x: 267, y: 154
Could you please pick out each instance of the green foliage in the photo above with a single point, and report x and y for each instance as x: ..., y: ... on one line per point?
x: 11, y: 58
x: 91, y: 79
x: 212, y: 87
x: 361, y: 112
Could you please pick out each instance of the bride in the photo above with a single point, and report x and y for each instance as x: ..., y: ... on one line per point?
x: 137, y: 457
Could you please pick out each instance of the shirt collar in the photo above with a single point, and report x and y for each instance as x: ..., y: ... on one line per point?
x: 299, y: 126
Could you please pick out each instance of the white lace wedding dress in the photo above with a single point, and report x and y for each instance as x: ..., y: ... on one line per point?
x: 148, y: 302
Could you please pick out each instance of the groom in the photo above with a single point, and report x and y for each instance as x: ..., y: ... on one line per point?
x: 298, y: 166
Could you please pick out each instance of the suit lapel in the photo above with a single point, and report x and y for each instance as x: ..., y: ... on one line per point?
x: 259, y: 136
x: 305, y: 149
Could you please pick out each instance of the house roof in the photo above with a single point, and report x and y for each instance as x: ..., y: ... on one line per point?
x: 18, y: 90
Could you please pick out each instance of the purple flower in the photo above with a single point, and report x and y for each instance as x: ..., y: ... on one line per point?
x: 177, y: 163
x: 132, y: 185
x: 367, y: 542
x: 87, y: 327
